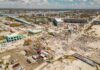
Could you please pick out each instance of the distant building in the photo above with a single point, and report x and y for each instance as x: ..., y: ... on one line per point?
x: 97, y: 22
x: 13, y: 37
x: 75, y: 20
x: 57, y: 21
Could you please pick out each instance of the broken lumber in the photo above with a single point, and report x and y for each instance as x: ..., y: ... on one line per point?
x: 84, y: 59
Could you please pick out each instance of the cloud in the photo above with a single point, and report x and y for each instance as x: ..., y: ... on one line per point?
x: 50, y: 3
x: 96, y: 1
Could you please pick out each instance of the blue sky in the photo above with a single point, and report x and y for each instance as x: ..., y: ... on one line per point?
x: 54, y: 4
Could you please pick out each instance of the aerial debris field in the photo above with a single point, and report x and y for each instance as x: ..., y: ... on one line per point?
x: 50, y: 41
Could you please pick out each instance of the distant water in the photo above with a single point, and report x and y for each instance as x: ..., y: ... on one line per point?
x: 49, y: 9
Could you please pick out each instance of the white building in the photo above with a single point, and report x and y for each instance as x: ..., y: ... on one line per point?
x: 57, y: 21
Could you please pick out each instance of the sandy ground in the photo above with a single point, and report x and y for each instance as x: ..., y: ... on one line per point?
x: 97, y: 29
x: 67, y: 65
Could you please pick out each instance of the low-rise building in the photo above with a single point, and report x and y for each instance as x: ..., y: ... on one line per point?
x: 34, y: 31
x: 14, y: 37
